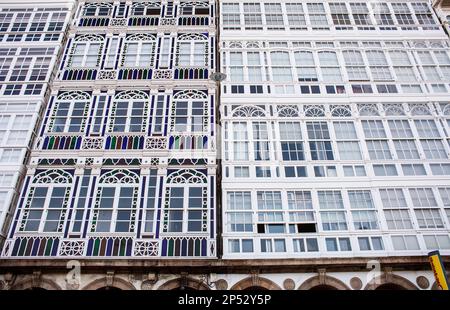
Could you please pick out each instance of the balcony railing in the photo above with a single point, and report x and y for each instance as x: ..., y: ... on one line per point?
x: 123, y: 74
x: 110, y: 142
x: 109, y: 246
x: 143, y: 21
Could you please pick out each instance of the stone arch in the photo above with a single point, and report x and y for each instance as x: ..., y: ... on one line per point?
x: 184, y: 283
x: 103, y: 282
x: 389, y: 282
x: 254, y: 283
x: 45, y: 284
x: 323, y: 282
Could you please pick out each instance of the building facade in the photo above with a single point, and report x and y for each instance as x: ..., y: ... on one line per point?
x: 30, y: 44
x: 442, y: 9
x: 321, y: 161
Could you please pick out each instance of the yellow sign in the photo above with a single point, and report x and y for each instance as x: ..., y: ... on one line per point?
x: 438, y: 269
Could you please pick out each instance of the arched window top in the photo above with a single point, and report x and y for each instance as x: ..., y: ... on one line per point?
x: 420, y: 45
x: 53, y: 176
x: 89, y: 38
x: 120, y: 176
x: 192, y: 37
x: 97, y: 9
x: 74, y: 95
x: 249, y: 111
x: 141, y: 37
x: 190, y: 94
x: 437, y: 45
x: 393, y: 109
x: 154, y: 4
x: 314, y: 111
x: 98, y: 5
x: 132, y: 94
x: 202, y: 4
x: 446, y: 109
x: 188, y: 176
x: 368, y: 110
x: 341, y: 111
x: 287, y: 111
x: 235, y: 44
x: 419, y: 109
x: 252, y: 44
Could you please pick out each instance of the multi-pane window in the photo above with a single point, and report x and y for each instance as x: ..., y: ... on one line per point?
x: 274, y: 16
x: 252, y: 16
x: 402, y: 13
x: 185, y: 208
x: 291, y: 141
x: 332, y: 220
x: 192, y: 53
x: 329, y: 66
x: 378, y: 66
x: 378, y: 149
x: 426, y: 208
x: 317, y: 15
x: 270, y: 214
x: 148, y: 226
x: 400, y: 129
x: 306, y: 70
x: 69, y: 116
x: 138, y: 51
x: 347, y: 141
x: 40, y: 69
x: 239, y: 212
x: 260, y: 141
x: 20, y: 70
x: 114, y: 209
x: 305, y: 245
x: 339, y: 14
x: 236, y: 67
x: 364, y: 215
x: 433, y: 149
x: 426, y: 128
x: 254, y: 67
x: 295, y: 15
x: 444, y: 192
x: 406, y: 149
x: 405, y: 243
x: 46, y: 209
x: 281, y: 67
x: 382, y: 14
x: 354, y: 63
x: 240, y: 141
x: 360, y: 14
x: 128, y: 115
x: 85, y: 54
x: 338, y: 244
x: 300, y: 206
x: 230, y: 14
x: 370, y: 243
x: 319, y: 141
x: 188, y: 115
x: 437, y: 242
x: 94, y: 9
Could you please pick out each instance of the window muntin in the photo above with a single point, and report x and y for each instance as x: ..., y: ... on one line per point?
x: 185, y: 210
x: 363, y: 213
x: 138, y: 51
x: 85, y: 54
x: 192, y: 51
x: 291, y: 141
x: 69, y: 115
x: 189, y: 115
